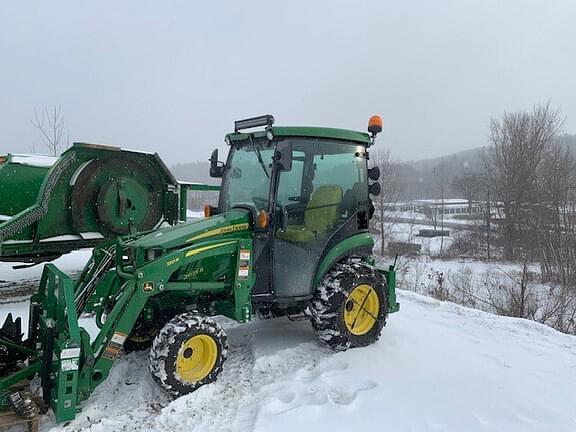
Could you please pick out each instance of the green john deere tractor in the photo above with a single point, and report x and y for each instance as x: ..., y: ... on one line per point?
x: 289, y: 236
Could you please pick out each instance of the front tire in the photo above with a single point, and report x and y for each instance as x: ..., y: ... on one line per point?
x: 350, y: 306
x: 188, y: 352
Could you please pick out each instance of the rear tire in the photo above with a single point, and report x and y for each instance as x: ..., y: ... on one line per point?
x: 350, y: 306
x: 188, y: 352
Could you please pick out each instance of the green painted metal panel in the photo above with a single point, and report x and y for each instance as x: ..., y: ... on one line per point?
x: 19, y: 183
x: 200, y: 187
x: 232, y: 222
x: 393, y: 305
x: 390, y: 275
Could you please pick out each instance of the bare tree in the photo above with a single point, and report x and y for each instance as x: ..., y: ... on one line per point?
x: 518, y: 142
x: 388, y: 196
x: 556, y: 230
x: 487, y: 193
x: 441, y: 176
x: 50, y: 125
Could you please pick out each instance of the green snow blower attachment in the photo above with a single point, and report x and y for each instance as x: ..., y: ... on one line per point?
x: 289, y: 237
x: 92, y: 193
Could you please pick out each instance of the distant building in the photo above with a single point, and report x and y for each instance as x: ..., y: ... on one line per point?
x: 434, y: 207
x: 449, y: 206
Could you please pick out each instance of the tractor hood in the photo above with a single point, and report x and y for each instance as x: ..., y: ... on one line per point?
x: 232, y: 222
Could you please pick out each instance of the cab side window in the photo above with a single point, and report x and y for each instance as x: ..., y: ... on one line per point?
x: 290, y: 185
x: 324, y: 187
x: 341, y: 166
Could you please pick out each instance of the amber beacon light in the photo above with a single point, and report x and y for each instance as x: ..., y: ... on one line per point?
x: 375, y: 125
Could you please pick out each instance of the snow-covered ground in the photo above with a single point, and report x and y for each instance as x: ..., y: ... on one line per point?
x: 422, y: 218
x: 68, y: 263
x: 404, y: 232
x: 437, y: 367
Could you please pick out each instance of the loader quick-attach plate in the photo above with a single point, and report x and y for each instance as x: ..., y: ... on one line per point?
x: 54, y: 330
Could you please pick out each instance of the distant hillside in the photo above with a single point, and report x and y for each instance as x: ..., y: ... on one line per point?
x: 418, y: 181
x: 197, y: 172
x: 464, y: 160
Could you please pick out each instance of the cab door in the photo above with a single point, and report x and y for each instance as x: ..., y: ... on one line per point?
x: 319, y: 199
x: 291, y: 261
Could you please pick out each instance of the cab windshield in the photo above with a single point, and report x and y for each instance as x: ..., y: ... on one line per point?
x: 317, y: 165
x: 247, y: 177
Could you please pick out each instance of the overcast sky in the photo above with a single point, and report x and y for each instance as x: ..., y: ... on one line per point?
x: 172, y: 76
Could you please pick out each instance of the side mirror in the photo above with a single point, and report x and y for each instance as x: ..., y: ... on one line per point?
x: 374, y: 173
x: 216, y: 167
x: 375, y: 189
x: 283, y: 156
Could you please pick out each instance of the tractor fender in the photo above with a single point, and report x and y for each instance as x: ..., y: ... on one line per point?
x: 361, y: 244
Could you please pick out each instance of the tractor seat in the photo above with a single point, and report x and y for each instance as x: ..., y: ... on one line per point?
x: 321, y: 214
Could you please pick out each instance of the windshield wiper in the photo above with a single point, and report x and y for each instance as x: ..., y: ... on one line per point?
x: 257, y: 150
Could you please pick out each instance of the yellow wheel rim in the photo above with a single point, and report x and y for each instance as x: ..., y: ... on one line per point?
x: 196, y: 358
x: 361, y: 309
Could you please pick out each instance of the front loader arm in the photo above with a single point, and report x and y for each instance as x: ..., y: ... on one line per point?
x: 152, y: 280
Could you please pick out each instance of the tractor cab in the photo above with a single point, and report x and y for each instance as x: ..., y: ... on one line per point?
x: 307, y: 189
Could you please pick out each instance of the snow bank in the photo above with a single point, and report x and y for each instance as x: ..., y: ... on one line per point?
x: 34, y: 160
x: 408, y: 233
x: 69, y: 263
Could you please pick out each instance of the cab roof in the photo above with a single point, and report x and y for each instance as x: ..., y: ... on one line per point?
x: 308, y: 132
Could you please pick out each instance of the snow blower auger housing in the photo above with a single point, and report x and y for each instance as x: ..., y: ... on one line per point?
x: 289, y: 237
x: 51, y: 206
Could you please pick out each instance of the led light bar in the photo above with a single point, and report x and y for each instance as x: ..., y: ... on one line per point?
x: 264, y: 120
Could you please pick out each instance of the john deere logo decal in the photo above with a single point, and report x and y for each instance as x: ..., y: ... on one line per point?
x: 220, y: 231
